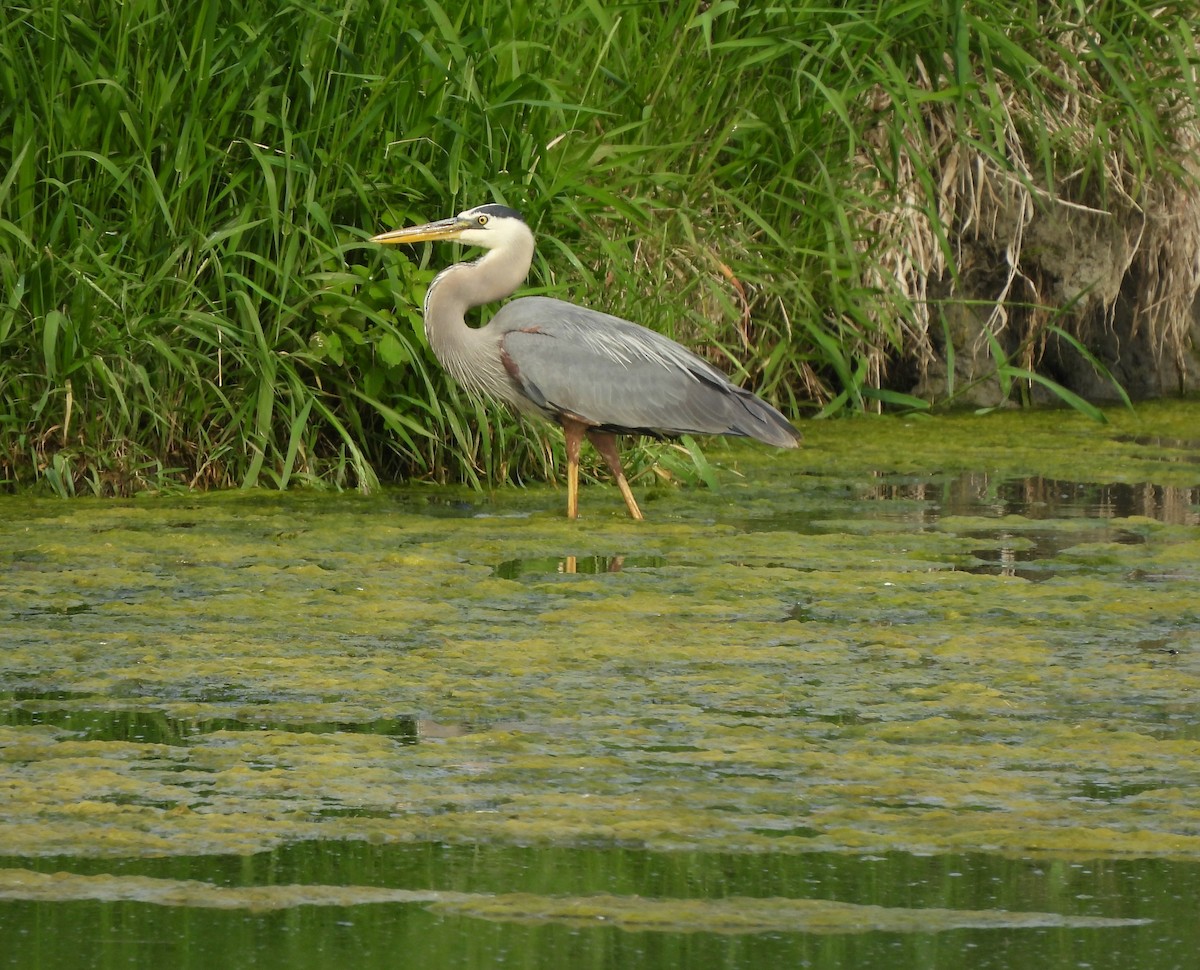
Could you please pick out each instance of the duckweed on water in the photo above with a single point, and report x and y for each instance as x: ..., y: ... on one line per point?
x: 843, y: 649
x: 731, y: 915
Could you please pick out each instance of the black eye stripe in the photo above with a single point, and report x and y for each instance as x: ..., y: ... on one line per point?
x: 499, y: 211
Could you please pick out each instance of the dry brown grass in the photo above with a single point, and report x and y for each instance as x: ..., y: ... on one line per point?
x: 1027, y: 242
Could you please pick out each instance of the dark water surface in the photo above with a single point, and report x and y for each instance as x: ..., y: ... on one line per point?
x: 926, y: 694
x: 1155, y: 897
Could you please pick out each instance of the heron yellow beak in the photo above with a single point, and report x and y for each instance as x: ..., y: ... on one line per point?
x: 444, y: 229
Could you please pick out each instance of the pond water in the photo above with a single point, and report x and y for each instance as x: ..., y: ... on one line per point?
x: 923, y: 694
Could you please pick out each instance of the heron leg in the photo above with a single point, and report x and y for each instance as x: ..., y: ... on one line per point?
x: 605, y: 442
x: 573, y: 431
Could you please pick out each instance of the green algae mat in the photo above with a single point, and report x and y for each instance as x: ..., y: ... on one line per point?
x: 924, y: 693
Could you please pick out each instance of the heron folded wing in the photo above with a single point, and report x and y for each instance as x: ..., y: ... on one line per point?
x: 616, y: 375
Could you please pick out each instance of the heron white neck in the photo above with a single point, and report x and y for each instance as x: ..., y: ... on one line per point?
x: 462, y: 286
x: 458, y: 288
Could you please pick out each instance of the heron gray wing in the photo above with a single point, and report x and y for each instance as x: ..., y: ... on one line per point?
x: 619, y: 376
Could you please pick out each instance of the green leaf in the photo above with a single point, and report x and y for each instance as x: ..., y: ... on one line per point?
x: 391, y: 351
x: 706, y: 471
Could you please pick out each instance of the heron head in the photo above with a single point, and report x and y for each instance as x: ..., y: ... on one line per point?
x: 489, y: 226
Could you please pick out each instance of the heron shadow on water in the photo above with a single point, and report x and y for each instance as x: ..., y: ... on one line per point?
x: 592, y: 373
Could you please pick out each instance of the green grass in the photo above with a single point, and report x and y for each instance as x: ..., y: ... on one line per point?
x: 187, y: 297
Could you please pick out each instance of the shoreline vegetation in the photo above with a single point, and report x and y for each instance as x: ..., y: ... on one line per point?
x: 860, y: 209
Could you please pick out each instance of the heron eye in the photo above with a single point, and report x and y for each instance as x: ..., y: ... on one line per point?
x: 482, y: 220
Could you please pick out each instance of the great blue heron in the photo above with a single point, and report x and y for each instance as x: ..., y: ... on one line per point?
x: 595, y: 374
